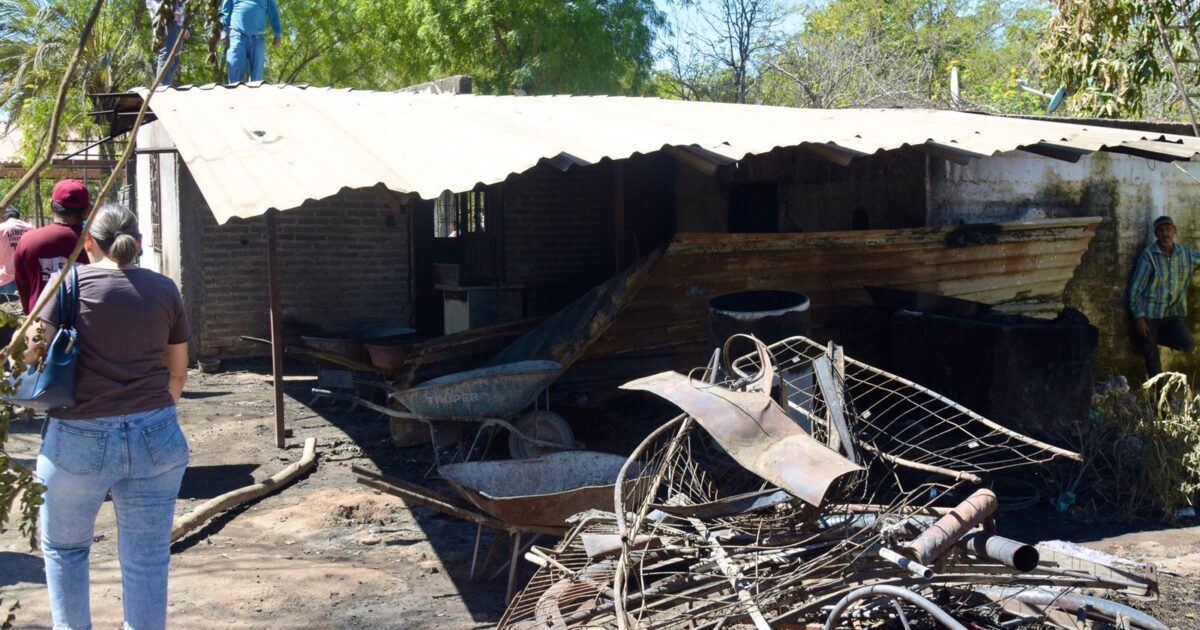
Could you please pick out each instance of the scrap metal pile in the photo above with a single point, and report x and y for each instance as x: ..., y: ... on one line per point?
x: 802, y: 487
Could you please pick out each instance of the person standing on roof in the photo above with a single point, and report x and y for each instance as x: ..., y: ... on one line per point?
x: 174, y: 32
x: 11, y: 231
x: 43, y: 252
x: 1158, y: 294
x: 245, y: 23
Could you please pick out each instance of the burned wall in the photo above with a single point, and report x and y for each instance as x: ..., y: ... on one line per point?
x: 561, y: 230
x: 885, y: 191
x: 1126, y: 191
x: 344, y: 263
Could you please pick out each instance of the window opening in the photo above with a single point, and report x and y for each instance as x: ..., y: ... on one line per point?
x: 155, y: 203
x: 456, y: 214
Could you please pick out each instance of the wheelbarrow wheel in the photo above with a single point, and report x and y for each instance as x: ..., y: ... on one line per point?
x: 543, y: 425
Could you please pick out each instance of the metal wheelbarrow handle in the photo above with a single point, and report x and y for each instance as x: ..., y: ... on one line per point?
x: 406, y: 415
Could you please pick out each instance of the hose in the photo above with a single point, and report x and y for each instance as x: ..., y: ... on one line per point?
x: 893, y: 593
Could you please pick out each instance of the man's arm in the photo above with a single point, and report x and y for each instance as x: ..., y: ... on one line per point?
x: 226, y: 14
x: 1139, y: 284
x: 276, y: 24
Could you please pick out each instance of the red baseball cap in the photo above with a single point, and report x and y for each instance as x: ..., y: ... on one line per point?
x: 70, y: 195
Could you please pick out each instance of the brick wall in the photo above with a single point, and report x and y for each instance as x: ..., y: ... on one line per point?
x: 560, y: 227
x: 344, y: 263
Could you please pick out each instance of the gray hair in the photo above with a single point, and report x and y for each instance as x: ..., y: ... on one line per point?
x: 115, y: 230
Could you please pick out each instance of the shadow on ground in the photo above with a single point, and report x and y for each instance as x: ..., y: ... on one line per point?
x: 206, y: 482
x: 21, y: 567
x: 614, y: 429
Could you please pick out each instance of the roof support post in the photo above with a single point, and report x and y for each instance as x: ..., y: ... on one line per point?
x: 276, y: 326
x: 618, y: 211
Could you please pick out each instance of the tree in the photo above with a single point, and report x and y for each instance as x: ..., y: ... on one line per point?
x: 719, y: 49
x: 859, y: 53
x: 1109, y: 56
x: 536, y: 46
x: 37, y: 40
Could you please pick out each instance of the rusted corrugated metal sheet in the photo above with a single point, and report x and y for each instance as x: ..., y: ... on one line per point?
x: 1019, y: 267
x: 251, y: 148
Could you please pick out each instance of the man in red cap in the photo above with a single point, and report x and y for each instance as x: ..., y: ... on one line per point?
x: 44, y: 251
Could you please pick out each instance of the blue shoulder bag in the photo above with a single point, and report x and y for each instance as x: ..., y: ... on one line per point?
x: 53, y: 386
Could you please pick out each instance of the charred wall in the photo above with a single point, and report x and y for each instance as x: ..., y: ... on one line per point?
x: 885, y: 191
x: 1126, y: 191
x: 561, y: 230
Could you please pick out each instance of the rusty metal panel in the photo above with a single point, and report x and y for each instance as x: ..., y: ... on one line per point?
x: 757, y: 433
x: 1016, y: 267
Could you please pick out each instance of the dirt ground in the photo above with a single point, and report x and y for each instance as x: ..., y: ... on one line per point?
x: 327, y: 552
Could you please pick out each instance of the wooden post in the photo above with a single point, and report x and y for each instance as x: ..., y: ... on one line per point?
x: 619, y: 210
x: 276, y: 332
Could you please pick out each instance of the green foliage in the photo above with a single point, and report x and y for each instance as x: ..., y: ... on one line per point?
x: 37, y: 40
x: 540, y: 47
x: 1142, y: 448
x: 854, y: 53
x: 18, y: 486
x: 1109, y: 55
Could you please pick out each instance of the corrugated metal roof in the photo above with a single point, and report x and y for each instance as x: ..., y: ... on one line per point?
x: 255, y: 147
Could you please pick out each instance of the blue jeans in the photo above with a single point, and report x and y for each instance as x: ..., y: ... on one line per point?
x: 247, y: 53
x: 139, y: 459
x: 173, y: 31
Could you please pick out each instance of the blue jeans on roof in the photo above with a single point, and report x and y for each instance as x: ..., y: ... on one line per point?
x: 139, y: 459
x: 247, y: 54
x: 173, y: 32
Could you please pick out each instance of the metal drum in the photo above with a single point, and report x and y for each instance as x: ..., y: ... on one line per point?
x: 768, y: 315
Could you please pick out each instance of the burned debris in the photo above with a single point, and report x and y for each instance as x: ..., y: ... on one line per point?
x: 872, y: 515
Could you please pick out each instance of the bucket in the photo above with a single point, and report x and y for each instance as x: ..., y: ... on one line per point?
x: 770, y: 316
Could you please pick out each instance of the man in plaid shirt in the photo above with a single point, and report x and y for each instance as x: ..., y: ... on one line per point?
x: 1158, y: 294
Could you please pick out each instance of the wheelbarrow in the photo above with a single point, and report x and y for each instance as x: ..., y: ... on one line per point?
x: 491, y: 396
x: 530, y: 497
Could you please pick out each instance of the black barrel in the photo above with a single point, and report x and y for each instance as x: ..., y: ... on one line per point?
x: 769, y: 315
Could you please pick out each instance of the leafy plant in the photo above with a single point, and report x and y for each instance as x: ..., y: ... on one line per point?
x: 1141, y: 448
x: 1109, y: 55
x: 18, y: 485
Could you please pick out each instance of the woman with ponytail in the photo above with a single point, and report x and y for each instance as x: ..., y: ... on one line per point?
x: 122, y: 436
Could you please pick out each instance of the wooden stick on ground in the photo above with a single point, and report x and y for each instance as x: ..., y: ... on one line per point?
x: 199, y: 516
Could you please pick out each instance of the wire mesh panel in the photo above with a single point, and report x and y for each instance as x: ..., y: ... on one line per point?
x: 706, y: 543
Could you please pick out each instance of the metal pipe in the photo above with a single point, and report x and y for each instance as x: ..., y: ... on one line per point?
x: 1011, y: 553
x: 276, y: 327
x: 915, y: 568
x: 934, y: 542
x: 893, y: 593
